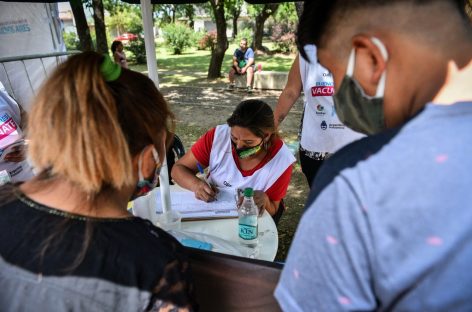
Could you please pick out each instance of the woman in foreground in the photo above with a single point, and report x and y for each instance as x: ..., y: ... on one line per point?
x: 97, y: 137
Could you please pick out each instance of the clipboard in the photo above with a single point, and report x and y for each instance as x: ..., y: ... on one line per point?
x: 192, y: 209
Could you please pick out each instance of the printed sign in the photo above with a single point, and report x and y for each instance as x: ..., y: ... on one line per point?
x: 322, y: 91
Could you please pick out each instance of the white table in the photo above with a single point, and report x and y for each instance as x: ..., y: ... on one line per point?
x: 222, y: 233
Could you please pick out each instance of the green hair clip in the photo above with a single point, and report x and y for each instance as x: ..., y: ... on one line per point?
x: 109, y: 69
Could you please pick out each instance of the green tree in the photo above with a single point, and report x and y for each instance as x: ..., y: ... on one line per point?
x: 100, y: 28
x: 187, y: 11
x: 138, y: 48
x: 233, y: 11
x: 286, y: 14
x: 178, y: 37
x: 81, y: 24
x: 71, y: 41
x: 165, y: 13
x: 123, y: 17
x: 261, y: 12
x: 218, y: 53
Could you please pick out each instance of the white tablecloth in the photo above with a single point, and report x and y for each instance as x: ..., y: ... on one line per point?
x: 221, y: 233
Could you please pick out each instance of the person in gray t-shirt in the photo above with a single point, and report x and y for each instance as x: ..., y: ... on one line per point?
x: 388, y: 224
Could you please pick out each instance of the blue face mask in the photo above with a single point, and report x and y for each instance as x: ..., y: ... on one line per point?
x: 144, y: 185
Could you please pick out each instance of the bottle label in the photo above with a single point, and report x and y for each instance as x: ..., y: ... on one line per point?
x: 247, y: 232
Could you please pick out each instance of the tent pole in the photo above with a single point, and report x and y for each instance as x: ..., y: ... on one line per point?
x: 146, y: 12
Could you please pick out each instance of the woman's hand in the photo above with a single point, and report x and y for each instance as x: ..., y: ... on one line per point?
x: 204, y: 192
x: 262, y: 201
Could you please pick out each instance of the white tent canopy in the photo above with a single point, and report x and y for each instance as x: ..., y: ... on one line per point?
x: 28, y: 29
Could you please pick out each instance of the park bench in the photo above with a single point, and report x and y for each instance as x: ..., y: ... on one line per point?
x: 264, y: 80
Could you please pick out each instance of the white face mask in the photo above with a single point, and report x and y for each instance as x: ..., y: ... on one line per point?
x: 144, y: 186
x: 355, y: 109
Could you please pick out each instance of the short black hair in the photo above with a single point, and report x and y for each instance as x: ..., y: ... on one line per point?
x: 317, y: 15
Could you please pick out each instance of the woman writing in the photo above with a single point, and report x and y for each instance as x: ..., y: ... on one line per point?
x: 97, y: 135
x: 247, y: 152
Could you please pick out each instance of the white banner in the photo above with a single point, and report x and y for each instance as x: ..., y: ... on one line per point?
x: 28, y: 29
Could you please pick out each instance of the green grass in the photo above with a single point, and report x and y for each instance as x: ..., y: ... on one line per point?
x: 191, y: 67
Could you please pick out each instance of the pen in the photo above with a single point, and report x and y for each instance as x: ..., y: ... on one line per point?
x: 200, y: 169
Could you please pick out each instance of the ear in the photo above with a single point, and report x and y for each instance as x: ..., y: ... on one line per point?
x: 148, y: 163
x: 267, y: 137
x: 370, y: 63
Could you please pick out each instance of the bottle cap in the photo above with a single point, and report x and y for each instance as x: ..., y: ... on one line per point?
x: 248, y: 192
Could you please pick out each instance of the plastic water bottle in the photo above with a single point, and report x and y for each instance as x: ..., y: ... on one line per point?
x: 248, y: 212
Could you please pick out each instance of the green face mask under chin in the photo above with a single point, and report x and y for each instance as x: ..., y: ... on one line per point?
x: 355, y: 109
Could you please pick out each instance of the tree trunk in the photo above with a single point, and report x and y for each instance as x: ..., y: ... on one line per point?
x: 299, y: 8
x: 173, y: 13
x: 236, y: 14
x: 218, y: 54
x: 100, y: 29
x: 258, y: 33
x: 267, y: 11
x: 189, y: 11
x: 81, y: 24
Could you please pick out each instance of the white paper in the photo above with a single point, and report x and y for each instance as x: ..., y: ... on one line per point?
x: 190, y: 207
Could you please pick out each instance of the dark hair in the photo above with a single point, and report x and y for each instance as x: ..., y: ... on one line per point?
x: 115, y: 45
x: 317, y: 16
x: 255, y: 115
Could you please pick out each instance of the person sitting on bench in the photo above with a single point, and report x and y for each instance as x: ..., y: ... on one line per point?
x: 243, y: 63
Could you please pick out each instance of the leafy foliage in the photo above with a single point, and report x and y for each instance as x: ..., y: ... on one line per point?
x: 245, y: 33
x: 283, y: 38
x: 286, y: 13
x: 125, y: 21
x: 138, y: 49
x: 178, y: 37
x: 170, y: 13
x: 233, y: 7
x: 207, y: 40
x: 71, y: 41
x: 261, y: 12
x: 256, y: 10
